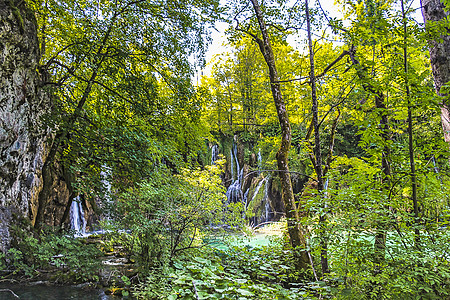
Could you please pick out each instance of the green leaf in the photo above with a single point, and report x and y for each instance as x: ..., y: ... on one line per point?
x: 244, y: 292
x: 241, y: 280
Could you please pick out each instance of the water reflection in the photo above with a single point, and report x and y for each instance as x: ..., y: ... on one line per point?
x: 44, y: 292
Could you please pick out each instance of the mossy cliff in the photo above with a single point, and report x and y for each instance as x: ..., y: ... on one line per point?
x: 23, y: 103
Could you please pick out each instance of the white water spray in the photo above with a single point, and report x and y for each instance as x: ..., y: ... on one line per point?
x: 77, y: 219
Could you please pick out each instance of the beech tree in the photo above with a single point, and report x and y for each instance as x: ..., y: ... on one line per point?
x: 435, y: 14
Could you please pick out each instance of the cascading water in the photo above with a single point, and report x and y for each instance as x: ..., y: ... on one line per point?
x: 260, y: 203
x: 234, y: 192
x: 232, y: 164
x: 245, y: 200
x: 255, y: 193
x: 259, y: 161
x: 238, y: 168
x: 77, y: 219
x: 214, y: 154
x: 266, y: 201
x: 106, y: 203
x: 105, y: 174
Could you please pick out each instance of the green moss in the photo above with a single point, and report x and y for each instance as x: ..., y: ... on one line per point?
x: 17, y: 15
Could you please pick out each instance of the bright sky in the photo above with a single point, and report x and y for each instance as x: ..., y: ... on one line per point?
x: 219, y: 39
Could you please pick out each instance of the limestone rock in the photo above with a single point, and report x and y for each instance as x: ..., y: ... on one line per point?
x: 23, y: 137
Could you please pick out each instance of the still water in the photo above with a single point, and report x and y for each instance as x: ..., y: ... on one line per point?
x: 44, y: 292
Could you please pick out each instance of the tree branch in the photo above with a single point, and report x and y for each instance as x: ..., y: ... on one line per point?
x: 340, y: 57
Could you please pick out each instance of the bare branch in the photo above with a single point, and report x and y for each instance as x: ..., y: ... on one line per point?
x: 10, y: 291
x: 339, y: 58
x: 331, y: 147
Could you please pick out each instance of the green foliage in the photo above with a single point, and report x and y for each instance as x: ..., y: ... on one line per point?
x: 167, y: 214
x: 415, y: 266
x: 235, y: 273
x: 123, y: 94
x: 120, y: 76
x: 68, y: 258
x: 406, y: 274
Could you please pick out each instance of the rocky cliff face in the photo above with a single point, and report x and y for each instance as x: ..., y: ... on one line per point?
x: 23, y: 137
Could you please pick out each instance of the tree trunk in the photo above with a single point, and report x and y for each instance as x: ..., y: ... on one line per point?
x: 62, y: 134
x: 412, y: 163
x: 380, y: 235
x: 433, y: 10
x: 295, y: 231
x: 317, y: 152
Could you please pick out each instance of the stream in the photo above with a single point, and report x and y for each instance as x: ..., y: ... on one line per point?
x: 46, y: 292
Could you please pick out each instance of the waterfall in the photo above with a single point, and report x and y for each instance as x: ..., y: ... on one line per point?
x: 234, y: 192
x: 259, y: 161
x: 77, y: 220
x: 237, y: 160
x: 106, y: 204
x: 105, y: 174
x: 267, y: 208
x: 232, y: 164
x: 255, y: 193
x: 245, y: 200
x: 261, y: 205
x: 214, y: 154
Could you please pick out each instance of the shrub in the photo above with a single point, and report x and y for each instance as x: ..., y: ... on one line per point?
x: 71, y: 257
x: 167, y: 214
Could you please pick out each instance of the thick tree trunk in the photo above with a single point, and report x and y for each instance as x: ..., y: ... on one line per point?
x: 296, y: 236
x: 433, y: 11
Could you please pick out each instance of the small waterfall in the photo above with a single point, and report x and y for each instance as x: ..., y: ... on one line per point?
x: 260, y: 204
x: 232, y: 164
x: 234, y: 192
x: 214, y: 154
x: 266, y: 200
x: 259, y: 161
x: 77, y: 220
x: 245, y: 200
x: 238, y: 169
x: 105, y: 174
x: 255, y: 193
x: 106, y: 203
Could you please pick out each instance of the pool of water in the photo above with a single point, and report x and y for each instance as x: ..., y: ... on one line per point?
x: 45, y: 292
x: 223, y: 242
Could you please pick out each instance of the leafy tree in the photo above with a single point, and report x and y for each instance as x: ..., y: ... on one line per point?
x: 296, y: 233
x: 121, y: 78
x: 167, y: 214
